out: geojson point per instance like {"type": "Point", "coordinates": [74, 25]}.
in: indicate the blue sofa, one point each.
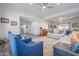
{"type": "Point", "coordinates": [63, 49]}
{"type": "Point", "coordinates": [25, 47]}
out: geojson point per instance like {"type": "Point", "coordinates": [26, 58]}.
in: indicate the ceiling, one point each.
{"type": "Point", "coordinates": [62, 10]}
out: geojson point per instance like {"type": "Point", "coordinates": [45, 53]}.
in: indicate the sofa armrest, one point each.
{"type": "Point", "coordinates": [27, 40]}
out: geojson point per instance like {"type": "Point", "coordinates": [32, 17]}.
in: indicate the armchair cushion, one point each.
{"type": "Point", "coordinates": [31, 43]}
{"type": "Point", "coordinates": [27, 40]}
{"type": "Point", "coordinates": [19, 36]}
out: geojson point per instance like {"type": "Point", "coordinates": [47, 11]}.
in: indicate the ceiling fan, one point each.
{"type": "Point", "coordinates": [44, 6]}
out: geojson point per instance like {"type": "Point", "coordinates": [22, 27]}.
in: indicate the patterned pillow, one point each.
{"type": "Point", "coordinates": [74, 43]}
{"type": "Point", "coordinates": [60, 31]}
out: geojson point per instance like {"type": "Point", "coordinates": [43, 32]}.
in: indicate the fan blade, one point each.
{"type": "Point", "coordinates": [50, 7]}
{"type": "Point", "coordinates": [44, 4]}
{"type": "Point", "coordinates": [40, 4]}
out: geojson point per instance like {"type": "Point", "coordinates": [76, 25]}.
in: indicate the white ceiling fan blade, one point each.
{"type": "Point", "coordinates": [50, 7]}
{"type": "Point", "coordinates": [40, 4]}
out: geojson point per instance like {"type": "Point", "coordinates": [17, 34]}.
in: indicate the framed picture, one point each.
{"type": "Point", "coordinates": [13, 23]}
{"type": "Point", "coordinates": [75, 25]}
{"type": "Point", "coordinates": [4, 20]}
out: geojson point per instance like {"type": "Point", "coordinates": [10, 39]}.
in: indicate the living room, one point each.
{"type": "Point", "coordinates": [46, 25]}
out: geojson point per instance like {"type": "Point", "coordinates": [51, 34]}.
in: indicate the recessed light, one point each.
{"type": "Point", "coordinates": [44, 7]}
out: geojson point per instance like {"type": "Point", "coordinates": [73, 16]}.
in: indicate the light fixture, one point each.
{"type": "Point", "coordinates": [44, 7]}
{"type": "Point", "coordinates": [60, 19]}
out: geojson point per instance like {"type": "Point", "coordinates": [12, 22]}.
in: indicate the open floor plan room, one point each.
{"type": "Point", "coordinates": [39, 29]}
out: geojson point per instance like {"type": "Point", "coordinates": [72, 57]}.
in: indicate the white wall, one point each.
{"type": "Point", "coordinates": [7, 26]}
{"type": "Point", "coordinates": [2, 25]}
{"type": "Point", "coordinates": [2, 30]}
{"type": "Point", "coordinates": [35, 26]}
{"type": "Point", "coordinates": [12, 15]}
{"type": "Point", "coordinates": [43, 24]}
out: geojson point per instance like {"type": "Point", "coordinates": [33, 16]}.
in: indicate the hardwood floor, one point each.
{"type": "Point", "coordinates": [49, 42]}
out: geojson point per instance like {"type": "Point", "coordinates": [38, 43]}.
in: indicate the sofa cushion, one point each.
{"type": "Point", "coordinates": [27, 40]}
{"type": "Point", "coordinates": [19, 36]}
